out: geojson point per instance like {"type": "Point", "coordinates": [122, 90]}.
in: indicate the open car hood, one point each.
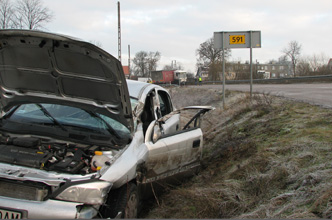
{"type": "Point", "coordinates": [39, 67]}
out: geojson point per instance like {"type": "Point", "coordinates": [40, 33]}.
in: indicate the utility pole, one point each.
{"type": "Point", "coordinates": [119, 33]}
{"type": "Point", "coordinates": [129, 61]}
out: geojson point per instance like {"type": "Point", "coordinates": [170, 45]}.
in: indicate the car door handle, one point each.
{"type": "Point", "coordinates": [196, 143]}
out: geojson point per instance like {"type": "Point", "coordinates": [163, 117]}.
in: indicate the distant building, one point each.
{"type": "Point", "coordinates": [241, 71]}
{"type": "Point", "coordinates": [238, 70]}
{"type": "Point", "coordinates": [275, 70]}
{"type": "Point", "coordinates": [126, 71]}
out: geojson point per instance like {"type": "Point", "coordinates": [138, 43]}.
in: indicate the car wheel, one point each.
{"type": "Point", "coordinates": [131, 207]}
{"type": "Point", "coordinates": [123, 200]}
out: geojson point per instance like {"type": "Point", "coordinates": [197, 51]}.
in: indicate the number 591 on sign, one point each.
{"type": "Point", "coordinates": [237, 39]}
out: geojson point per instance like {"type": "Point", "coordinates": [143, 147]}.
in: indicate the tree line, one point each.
{"type": "Point", "coordinates": [146, 62]}
{"type": "Point", "coordinates": [24, 14]}
{"type": "Point", "coordinates": [210, 59]}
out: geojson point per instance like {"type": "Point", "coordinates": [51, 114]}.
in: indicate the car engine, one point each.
{"type": "Point", "coordinates": [51, 156]}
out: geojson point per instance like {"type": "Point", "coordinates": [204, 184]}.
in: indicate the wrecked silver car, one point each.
{"type": "Point", "coordinates": [76, 139]}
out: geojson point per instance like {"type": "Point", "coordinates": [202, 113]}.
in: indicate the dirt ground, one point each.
{"type": "Point", "coordinates": [265, 157]}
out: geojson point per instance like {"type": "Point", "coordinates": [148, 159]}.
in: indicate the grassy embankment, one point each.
{"type": "Point", "coordinates": [269, 158]}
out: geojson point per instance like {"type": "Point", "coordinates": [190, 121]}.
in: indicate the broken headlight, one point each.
{"type": "Point", "coordinates": [93, 193]}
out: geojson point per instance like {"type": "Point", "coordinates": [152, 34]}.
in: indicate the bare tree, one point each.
{"type": "Point", "coordinates": [208, 56]}
{"type": "Point", "coordinates": [317, 61]}
{"type": "Point", "coordinates": [293, 51]}
{"type": "Point", "coordinates": [31, 14]}
{"type": "Point", "coordinates": [140, 64]}
{"type": "Point", "coordinates": [145, 62]}
{"type": "Point", "coordinates": [152, 61]}
{"type": "Point", "coordinates": [214, 69]}
{"type": "Point", "coordinates": [6, 14]}
{"type": "Point", "coordinates": [303, 67]}
{"type": "Point", "coordinates": [283, 60]}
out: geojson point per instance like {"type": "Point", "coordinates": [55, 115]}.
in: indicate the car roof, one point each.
{"type": "Point", "coordinates": [138, 89]}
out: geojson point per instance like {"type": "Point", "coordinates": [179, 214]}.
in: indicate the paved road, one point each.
{"type": "Point", "coordinates": [316, 93]}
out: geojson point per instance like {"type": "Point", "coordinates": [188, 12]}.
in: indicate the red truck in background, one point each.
{"type": "Point", "coordinates": [162, 76]}
{"type": "Point", "coordinates": [168, 76]}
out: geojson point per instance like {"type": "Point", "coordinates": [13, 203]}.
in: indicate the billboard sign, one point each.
{"type": "Point", "coordinates": [237, 39]}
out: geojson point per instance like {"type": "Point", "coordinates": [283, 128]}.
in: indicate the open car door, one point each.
{"type": "Point", "coordinates": [177, 152]}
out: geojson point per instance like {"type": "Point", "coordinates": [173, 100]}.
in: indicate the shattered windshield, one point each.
{"type": "Point", "coordinates": [134, 102]}
{"type": "Point", "coordinates": [66, 117]}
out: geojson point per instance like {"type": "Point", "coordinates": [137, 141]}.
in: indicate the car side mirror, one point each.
{"type": "Point", "coordinates": [156, 132]}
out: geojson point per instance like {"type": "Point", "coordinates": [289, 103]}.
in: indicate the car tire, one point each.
{"type": "Point", "coordinates": [123, 200]}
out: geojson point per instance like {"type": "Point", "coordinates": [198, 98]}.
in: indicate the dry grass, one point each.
{"type": "Point", "coordinates": [264, 158]}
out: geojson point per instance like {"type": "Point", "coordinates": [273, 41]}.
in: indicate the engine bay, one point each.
{"type": "Point", "coordinates": [53, 156]}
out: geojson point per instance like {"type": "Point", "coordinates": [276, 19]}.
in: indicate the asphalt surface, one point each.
{"type": "Point", "coordinates": [315, 93]}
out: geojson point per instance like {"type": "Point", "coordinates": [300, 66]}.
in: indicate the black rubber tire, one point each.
{"type": "Point", "coordinates": [124, 200]}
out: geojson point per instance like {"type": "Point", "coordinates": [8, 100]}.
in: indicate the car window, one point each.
{"type": "Point", "coordinates": [133, 102]}
{"type": "Point", "coordinates": [165, 103]}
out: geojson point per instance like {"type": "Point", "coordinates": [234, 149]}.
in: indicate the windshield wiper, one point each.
{"type": "Point", "coordinates": [109, 128]}
{"type": "Point", "coordinates": [47, 114]}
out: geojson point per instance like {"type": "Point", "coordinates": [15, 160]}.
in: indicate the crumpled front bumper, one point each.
{"type": "Point", "coordinates": [50, 209]}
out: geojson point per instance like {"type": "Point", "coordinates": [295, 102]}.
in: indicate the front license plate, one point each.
{"type": "Point", "coordinates": [11, 214]}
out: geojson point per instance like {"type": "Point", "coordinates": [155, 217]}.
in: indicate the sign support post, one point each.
{"type": "Point", "coordinates": [251, 77]}
{"type": "Point", "coordinates": [223, 74]}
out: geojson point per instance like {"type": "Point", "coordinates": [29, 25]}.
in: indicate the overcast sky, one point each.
{"type": "Point", "coordinates": [176, 28]}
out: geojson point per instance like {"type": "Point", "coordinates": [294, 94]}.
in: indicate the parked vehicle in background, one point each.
{"type": "Point", "coordinates": [79, 141]}
{"type": "Point", "coordinates": [169, 76]}
{"type": "Point", "coordinates": [162, 76]}
{"type": "Point", "coordinates": [180, 77]}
